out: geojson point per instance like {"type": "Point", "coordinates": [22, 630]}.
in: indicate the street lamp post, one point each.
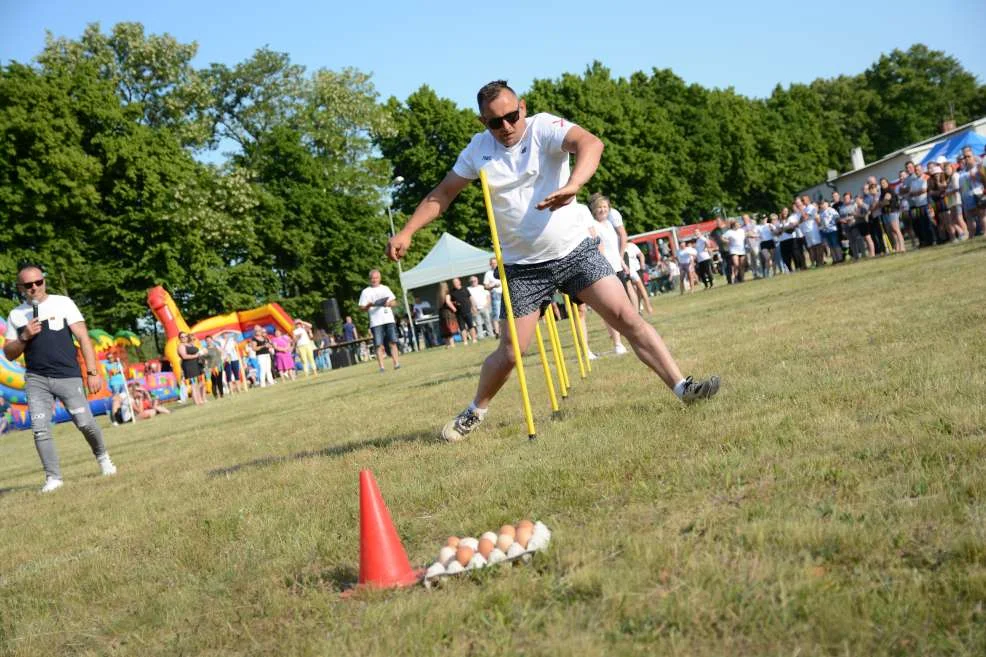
{"type": "Point", "coordinates": [400, 270]}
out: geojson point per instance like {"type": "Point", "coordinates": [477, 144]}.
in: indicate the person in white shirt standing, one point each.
{"type": "Point", "coordinates": [377, 299]}
{"type": "Point", "coordinates": [635, 264]}
{"type": "Point", "coordinates": [304, 345]}
{"type": "Point", "coordinates": [703, 260]}
{"type": "Point", "coordinates": [736, 239]}
{"type": "Point", "coordinates": [491, 281]}
{"type": "Point", "coordinates": [481, 302]}
{"type": "Point", "coordinates": [609, 246]}
{"type": "Point", "coordinates": [687, 257]}
{"type": "Point", "coordinates": [42, 329]}
{"type": "Point", "coordinates": [532, 189]}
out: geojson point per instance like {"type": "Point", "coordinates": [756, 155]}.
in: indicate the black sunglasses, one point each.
{"type": "Point", "coordinates": [509, 117]}
{"type": "Point", "coordinates": [27, 285]}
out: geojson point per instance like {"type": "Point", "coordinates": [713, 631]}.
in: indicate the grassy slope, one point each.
{"type": "Point", "coordinates": [832, 500]}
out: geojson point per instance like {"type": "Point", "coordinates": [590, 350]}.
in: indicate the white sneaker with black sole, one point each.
{"type": "Point", "coordinates": [459, 428]}
{"type": "Point", "coordinates": [697, 390]}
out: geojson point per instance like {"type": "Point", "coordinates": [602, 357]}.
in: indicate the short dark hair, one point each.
{"type": "Point", "coordinates": [30, 265]}
{"type": "Point", "coordinates": [490, 92]}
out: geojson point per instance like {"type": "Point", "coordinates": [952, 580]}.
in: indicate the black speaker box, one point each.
{"type": "Point", "coordinates": [330, 310]}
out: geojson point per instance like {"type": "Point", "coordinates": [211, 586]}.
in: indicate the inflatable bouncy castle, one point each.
{"type": "Point", "coordinates": [162, 385]}
{"type": "Point", "coordinates": [240, 323]}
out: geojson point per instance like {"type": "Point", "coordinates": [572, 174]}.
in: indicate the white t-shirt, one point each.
{"type": "Point", "coordinates": [229, 348]}
{"type": "Point", "coordinates": [300, 334]}
{"type": "Point", "coordinates": [49, 353]}
{"type": "Point", "coordinates": [673, 269]}
{"type": "Point", "coordinates": [702, 249]}
{"type": "Point", "coordinates": [611, 244]}
{"type": "Point", "coordinates": [686, 255]}
{"type": "Point", "coordinates": [379, 315]}
{"type": "Point", "coordinates": [492, 283]}
{"type": "Point", "coordinates": [632, 252]}
{"type": "Point", "coordinates": [480, 297]}
{"type": "Point", "coordinates": [615, 217]}
{"type": "Point", "coordinates": [766, 233]}
{"type": "Point", "coordinates": [736, 238]}
{"type": "Point", "coordinates": [520, 177]}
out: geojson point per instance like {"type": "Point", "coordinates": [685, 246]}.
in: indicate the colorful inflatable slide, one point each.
{"type": "Point", "coordinates": [240, 323]}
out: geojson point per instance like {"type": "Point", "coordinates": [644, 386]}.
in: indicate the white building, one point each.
{"type": "Point", "coordinates": [889, 166]}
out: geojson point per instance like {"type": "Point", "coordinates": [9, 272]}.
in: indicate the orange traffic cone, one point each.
{"type": "Point", "coordinates": [382, 560]}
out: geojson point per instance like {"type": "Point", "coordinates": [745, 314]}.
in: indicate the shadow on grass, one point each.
{"type": "Point", "coordinates": [448, 379]}
{"type": "Point", "coordinates": [14, 489]}
{"type": "Point", "coordinates": [334, 450]}
{"type": "Point", "coordinates": [340, 578]}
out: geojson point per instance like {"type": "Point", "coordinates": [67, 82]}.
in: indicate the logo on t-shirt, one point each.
{"type": "Point", "coordinates": [523, 150]}
{"type": "Point", "coordinates": [487, 158]}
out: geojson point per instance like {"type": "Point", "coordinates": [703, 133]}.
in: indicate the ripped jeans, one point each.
{"type": "Point", "coordinates": [41, 394]}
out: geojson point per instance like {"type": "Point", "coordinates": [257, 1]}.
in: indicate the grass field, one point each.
{"type": "Point", "coordinates": [830, 501]}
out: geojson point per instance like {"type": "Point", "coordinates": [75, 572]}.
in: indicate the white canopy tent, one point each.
{"type": "Point", "coordinates": [449, 258]}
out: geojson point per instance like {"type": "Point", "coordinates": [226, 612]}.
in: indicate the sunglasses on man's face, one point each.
{"type": "Point", "coordinates": [497, 122]}
{"type": "Point", "coordinates": [27, 285]}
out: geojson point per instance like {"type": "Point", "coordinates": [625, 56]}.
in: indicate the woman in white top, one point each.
{"type": "Point", "coordinates": [703, 262]}
{"type": "Point", "coordinates": [687, 256]}
{"type": "Point", "coordinates": [957, 229]}
{"type": "Point", "coordinates": [813, 239]}
{"type": "Point", "coordinates": [609, 246]}
{"type": "Point", "coordinates": [736, 239]}
{"type": "Point", "coordinates": [767, 245]}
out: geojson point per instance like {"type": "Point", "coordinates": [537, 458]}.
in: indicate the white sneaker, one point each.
{"type": "Point", "coordinates": [460, 426]}
{"type": "Point", "coordinates": [52, 484]}
{"type": "Point", "coordinates": [593, 356]}
{"type": "Point", "coordinates": [620, 350]}
{"type": "Point", "coordinates": [105, 465]}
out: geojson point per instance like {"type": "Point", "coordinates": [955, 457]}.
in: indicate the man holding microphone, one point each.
{"type": "Point", "coordinates": [42, 329]}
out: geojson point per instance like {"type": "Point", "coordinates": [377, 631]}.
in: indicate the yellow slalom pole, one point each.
{"type": "Point", "coordinates": [583, 339]}
{"type": "Point", "coordinates": [547, 371]}
{"type": "Point", "coordinates": [549, 319]}
{"type": "Point", "coordinates": [525, 398]}
{"type": "Point", "coordinates": [573, 321]}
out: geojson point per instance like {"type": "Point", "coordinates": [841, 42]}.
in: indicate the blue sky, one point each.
{"type": "Point", "coordinates": [456, 47]}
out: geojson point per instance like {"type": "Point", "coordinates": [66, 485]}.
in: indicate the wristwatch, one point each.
{"type": "Point", "coordinates": [92, 372]}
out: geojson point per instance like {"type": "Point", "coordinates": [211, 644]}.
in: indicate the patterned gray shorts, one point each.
{"type": "Point", "coordinates": [535, 284]}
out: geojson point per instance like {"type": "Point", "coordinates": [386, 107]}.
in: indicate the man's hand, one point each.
{"type": "Point", "coordinates": [95, 384]}
{"type": "Point", "coordinates": [398, 245]}
{"type": "Point", "coordinates": [559, 198]}
{"type": "Point", "coordinates": [31, 329]}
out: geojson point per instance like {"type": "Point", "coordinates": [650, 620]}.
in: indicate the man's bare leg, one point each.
{"type": "Point", "coordinates": [498, 365]}
{"type": "Point", "coordinates": [606, 298]}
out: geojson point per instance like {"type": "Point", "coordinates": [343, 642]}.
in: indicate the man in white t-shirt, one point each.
{"type": "Point", "coordinates": [491, 281]}
{"type": "Point", "coordinates": [532, 189]}
{"type": "Point", "coordinates": [635, 265]}
{"type": "Point", "coordinates": [42, 329]}
{"type": "Point", "coordinates": [377, 299]}
{"type": "Point", "coordinates": [481, 303]}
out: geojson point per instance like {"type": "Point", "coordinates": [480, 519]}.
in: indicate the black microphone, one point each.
{"type": "Point", "coordinates": [34, 306]}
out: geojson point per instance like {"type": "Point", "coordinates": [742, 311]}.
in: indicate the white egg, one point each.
{"type": "Point", "coordinates": [540, 529]}
{"type": "Point", "coordinates": [469, 542]}
{"type": "Point", "coordinates": [490, 535]}
{"type": "Point", "coordinates": [536, 543]}
{"type": "Point", "coordinates": [477, 561]}
{"type": "Point", "coordinates": [454, 568]}
{"type": "Point", "coordinates": [446, 554]}
{"type": "Point", "coordinates": [496, 556]}
{"type": "Point", "coordinates": [515, 550]}
{"type": "Point", "coordinates": [434, 570]}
